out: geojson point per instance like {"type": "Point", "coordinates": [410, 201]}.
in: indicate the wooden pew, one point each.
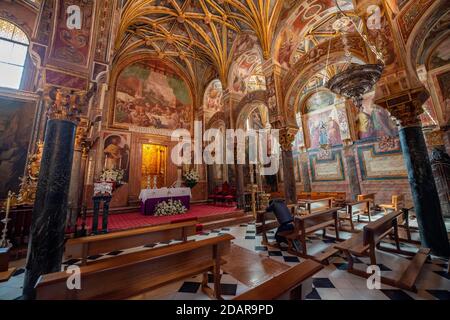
{"type": "Point", "coordinates": [367, 242]}
{"type": "Point", "coordinates": [265, 221]}
{"type": "Point", "coordinates": [93, 245]}
{"type": "Point", "coordinates": [321, 195]}
{"type": "Point", "coordinates": [293, 284]}
{"type": "Point", "coordinates": [309, 224]}
{"type": "Point", "coordinates": [129, 275]}
{"type": "Point", "coordinates": [355, 209]}
{"type": "Point", "coordinates": [6, 272]}
{"type": "Point", "coordinates": [310, 206]}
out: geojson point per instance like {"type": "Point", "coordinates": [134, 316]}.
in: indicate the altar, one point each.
{"type": "Point", "coordinates": [151, 197]}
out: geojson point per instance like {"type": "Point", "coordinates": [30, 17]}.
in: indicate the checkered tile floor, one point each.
{"type": "Point", "coordinates": [332, 283]}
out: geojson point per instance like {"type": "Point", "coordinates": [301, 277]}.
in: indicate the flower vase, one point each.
{"type": "Point", "coordinates": [191, 184]}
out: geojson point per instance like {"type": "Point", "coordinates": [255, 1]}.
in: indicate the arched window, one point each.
{"type": "Point", "coordinates": [13, 51]}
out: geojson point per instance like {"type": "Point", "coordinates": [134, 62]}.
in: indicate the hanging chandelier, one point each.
{"type": "Point", "coordinates": [357, 79]}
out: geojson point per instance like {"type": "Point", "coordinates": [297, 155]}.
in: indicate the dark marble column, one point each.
{"type": "Point", "coordinates": [211, 182]}
{"type": "Point", "coordinates": [352, 171]}
{"type": "Point", "coordinates": [306, 177]}
{"type": "Point", "coordinates": [46, 246]}
{"type": "Point", "coordinates": [290, 191]}
{"type": "Point", "coordinates": [240, 187]}
{"type": "Point", "coordinates": [406, 108]}
{"type": "Point", "coordinates": [286, 138]}
{"type": "Point", "coordinates": [440, 164]}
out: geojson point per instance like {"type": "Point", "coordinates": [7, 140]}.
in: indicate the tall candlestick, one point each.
{"type": "Point", "coordinates": [8, 204]}
{"type": "Point", "coordinates": [5, 243]}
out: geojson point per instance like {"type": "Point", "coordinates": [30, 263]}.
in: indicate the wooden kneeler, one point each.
{"type": "Point", "coordinates": [366, 243]}
{"type": "Point", "coordinates": [309, 224]}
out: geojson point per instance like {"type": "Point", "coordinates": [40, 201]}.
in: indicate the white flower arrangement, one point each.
{"type": "Point", "coordinates": [170, 208]}
{"type": "Point", "coordinates": [103, 188]}
{"type": "Point", "coordinates": [112, 175]}
{"type": "Point", "coordinates": [191, 178]}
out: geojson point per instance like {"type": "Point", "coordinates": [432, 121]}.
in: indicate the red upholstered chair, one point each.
{"type": "Point", "coordinates": [230, 199]}
{"type": "Point", "coordinates": [224, 192]}
{"type": "Point", "coordinates": [213, 196]}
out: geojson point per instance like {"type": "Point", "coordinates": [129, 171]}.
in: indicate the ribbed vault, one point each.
{"type": "Point", "coordinates": [197, 30]}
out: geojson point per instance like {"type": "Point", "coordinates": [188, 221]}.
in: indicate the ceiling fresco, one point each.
{"type": "Point", "coordinates": [217, 32]}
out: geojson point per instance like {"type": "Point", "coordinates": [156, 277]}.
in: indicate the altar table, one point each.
{"type": "Point", "coordinates": [151, 197]}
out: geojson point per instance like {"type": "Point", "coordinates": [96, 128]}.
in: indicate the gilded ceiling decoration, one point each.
{"type": "Point", "coordinates": [197, 30]}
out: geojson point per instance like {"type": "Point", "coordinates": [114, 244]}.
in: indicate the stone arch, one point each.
{"type": "Point", "coordinates": [315, 61]}
{"type": "Point", "coordinates": [252, 97]}
{"type": "Point", "coordinates": [217, 118]}
{"type": "Point", "coordinates": [416, 39]}
{"type": "Point", "coordinates": [248, 109]}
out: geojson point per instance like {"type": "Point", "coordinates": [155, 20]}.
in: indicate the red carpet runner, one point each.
{"type": "Point", "coordinates": [136, 219]}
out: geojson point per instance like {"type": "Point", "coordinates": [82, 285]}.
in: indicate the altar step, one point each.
{"type": "Point", "coordinates": [221, 216]}
{"type": "Point", "coordinates": [228, 222]}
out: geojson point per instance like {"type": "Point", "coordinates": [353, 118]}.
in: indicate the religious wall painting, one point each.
{"type": "Point", "coordinates": [213, 99]}
{"type": "Point", "coordinates": [116, 152]}
{"type": "Point", "coordinates": [440, 56]}
{"type": "Point", "coordinates": [304, 15]}
{"type": "Point", "coordinates": [247, 66]}
{"type": "Point", "coordinates": [380, 33]}
{"type": "Point", "coordinates": [72, 38]}
{"type": "Point", "coordinates": [299, 141]}
{"type": "Point", "coordinates": [323, 127]}
{"type": "Point", "coordinates": [16, 123]}
{"type": "Point", "coordinates": [373, 121]}
{"type": "Point", "coordinates": [151, 95]}
{"type": "Point", "coordinates": [244, 43]}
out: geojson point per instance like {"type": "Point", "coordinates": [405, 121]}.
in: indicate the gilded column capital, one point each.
{"type": "Point", "coordinates": [287, 138]}
{"type": "Point", "coordinates": [406, 107]}
{"type": "Point", "coordinates": [66, 104]}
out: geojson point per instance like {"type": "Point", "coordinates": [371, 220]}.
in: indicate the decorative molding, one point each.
{"type": "Point", "coordinates": [377, 165]}
{"type": "Point", "coordinates": [331, 170]}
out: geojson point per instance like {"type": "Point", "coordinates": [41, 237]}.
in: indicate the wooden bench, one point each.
{"type": "Point", "coordinates": [320, 195]}
{"type": "Point", "coordinates": [355, 209]}
{"type": "Point", "coordinates": [265, 221]}
{"type": "Point", "coordinates": [293, 284]}
{"type": "Point", "coordinates": [310, 206]}
{"type": "Point", "coordinates": [93, 245]}
{"type": "Point", "coordinates": [6, 272]}
{"type": "Point", "coordinates": [129, 275]}
{"type": "Point", "coordinates": [309, 224]}
{"type": "Point", "coordinates": [367, 242]}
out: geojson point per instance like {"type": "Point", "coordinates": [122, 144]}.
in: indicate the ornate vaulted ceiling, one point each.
{"type": "Point", "coordinates": [198, 30]}
{"type": "Point", "coordinates": [205, 37]}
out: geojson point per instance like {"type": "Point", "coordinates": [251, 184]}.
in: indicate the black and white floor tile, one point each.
{"type": "Point", "coordinates": [332, 283]}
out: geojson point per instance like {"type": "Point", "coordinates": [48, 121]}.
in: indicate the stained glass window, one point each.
{"type": "Point", "coordinates": [13, 51]}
